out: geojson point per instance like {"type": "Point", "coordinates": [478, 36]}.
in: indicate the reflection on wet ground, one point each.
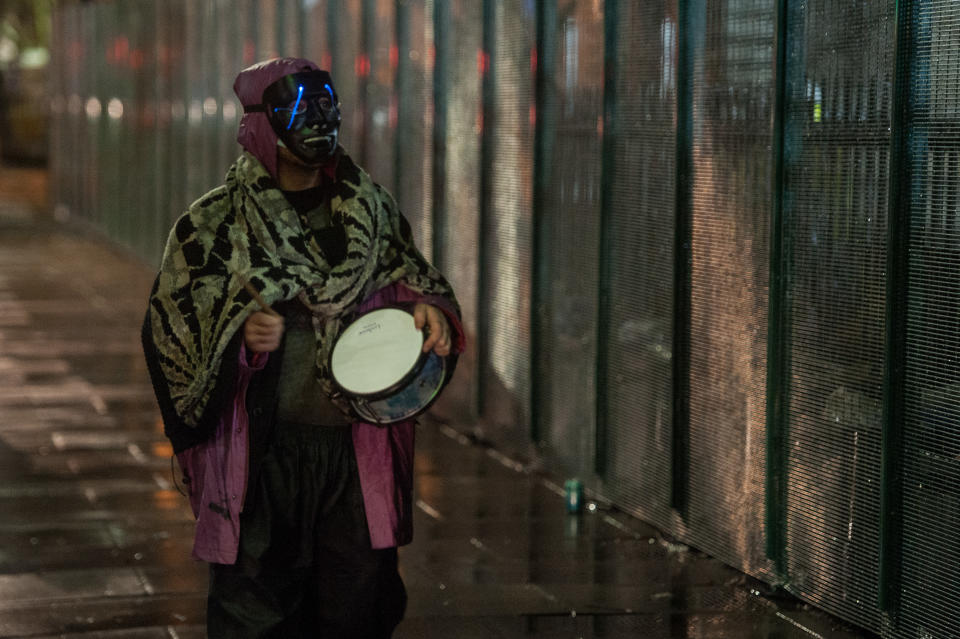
{"type": "Point", "coordinates": [95, 540]}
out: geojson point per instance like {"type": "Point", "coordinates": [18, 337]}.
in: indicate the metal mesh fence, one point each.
{"type": "Point", "coordinates": [456, 218]}
{"type": "Point", "coordinates": [414, 151]}
{"type": "Point", "coordinates": [638, 372]}
{"type": "Point", "coordinates": [837, 123]}
{"type": "Point", "coordinates": [381, 117]}
{"type": "Point", "coordinates": [348, 66]}
{"type": "Point", "coordinates": [731, 184]}
{"type": "Point", "coordinates": [931, 561]}
{"type": "Point", "coordinates": [572, 215]}
{"type": "Point", "coordinates": [175, 132]}
{"type": "Point", "coordinates": [316, 40]}
{"type": "Point", "coordinates": [507, 244]}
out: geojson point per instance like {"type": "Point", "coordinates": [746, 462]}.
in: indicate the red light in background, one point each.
{"type": "Point", "coordinates": [147, 118]}
{"type": "Point", "coordinates": [136, 59]}
{"type": "Point", "coordinates": [249, 51]}
{"type": "Point", "coordinates": [483, 62]}
{"type": "Point", "coordinates": [533, 60]}
{"type": "Point", "coordinates": [361, 65]}
{"type": "Point", "coordinates": [394, 56]}
{"type": "Point", "coordinates": [533, 115]}
{"type": "Point", "coordinates": [431, 57]}
{"type": "Point", "coordinates": [326, 60]}
{"type": "Point", "coordinates": [120, 50]}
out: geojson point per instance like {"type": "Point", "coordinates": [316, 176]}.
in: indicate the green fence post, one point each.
{"type": "Point", "coordinates": [402, 96]}
{"type": "Point", "coordinates": [334, 40]}
{"type": "Point", "coordinates": [542, 151]}
{"type": "Point", "coordinates": [441, 29]}
{"type": "Point", "coordinates": [487, 157]}
{"type": "Point", "coordinates": [607, 168]}
{"type": "Point", "coordinates": [683, 210]}
{"type": "Point", "coordinates": [302, 29]}
{"type": "Point", "coordinates": [898, 244]}
{"type": "Point", "coordinates": [777, 321]}
{"type": "Point", "coordinates": [279, 27]}
{"type": "Point", "coordinates": [368, 36]}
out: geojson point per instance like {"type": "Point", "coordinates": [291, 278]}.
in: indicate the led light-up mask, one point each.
{"type": "Point", "coordinates": [304, 112]}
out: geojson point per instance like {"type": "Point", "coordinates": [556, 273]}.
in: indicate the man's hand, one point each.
{"type": "Point", "coordinates": [262, 332]}
{"type": "Point", "coordinates": [438, 337]}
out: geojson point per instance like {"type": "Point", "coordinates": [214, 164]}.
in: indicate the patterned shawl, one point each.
{"type": "Point", "coordinates": [246, 230]}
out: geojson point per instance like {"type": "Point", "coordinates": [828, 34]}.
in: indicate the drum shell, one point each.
{"type": "Point", "coordinates": [387, 409]}
{"type": "Point", "coordinates": [381, 406]}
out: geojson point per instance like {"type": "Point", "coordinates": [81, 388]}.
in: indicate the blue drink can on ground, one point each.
{"type": "Point", "coordinates": [573, 495]}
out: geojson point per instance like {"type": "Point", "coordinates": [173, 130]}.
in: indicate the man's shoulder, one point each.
{"type": "Point", "coordinates": [206, 213]}
{"type": "Point", "coordinates": [208, 209]}
{"type": "Point", "coordinates": [214, 198]}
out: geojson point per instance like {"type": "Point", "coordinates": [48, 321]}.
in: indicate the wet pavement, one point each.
{"type": "Point", "coordinates": [95, 539]}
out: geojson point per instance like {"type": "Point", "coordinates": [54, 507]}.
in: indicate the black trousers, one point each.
{"type": "Point", "coordinates": [305, 567]}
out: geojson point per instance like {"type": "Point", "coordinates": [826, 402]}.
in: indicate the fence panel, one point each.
{"type": "Point", "coordinates": [638, 374]}
{"type": "Point", "coordinates": [571, 216]}
{"type": "Point", "coordinates": [931, 543]}
{"type": "Point", "coordinates": [343, 36]}
{"type": "Point", "coordinates": [381, 117]}
{"type": "Point", "coordinates": [731, 200]}
{"type": "Point", "coordinates": [508, 240]}
{"type": "Point", "coordinates": [414, 137]}
{"type": "Point", "coordinates": [837, 153]}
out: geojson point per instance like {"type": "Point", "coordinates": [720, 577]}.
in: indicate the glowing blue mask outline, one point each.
{"type": "Point", "coordinates": [293, 113]}
{"type": "Point", "coordinates": [296, 105]}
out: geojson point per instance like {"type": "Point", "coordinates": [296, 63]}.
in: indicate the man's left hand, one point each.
{"type": "Point", "coordinates": [438, 336]}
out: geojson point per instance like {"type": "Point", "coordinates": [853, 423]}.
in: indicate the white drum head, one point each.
{"type": "Point", "coordinates": [376, 351]}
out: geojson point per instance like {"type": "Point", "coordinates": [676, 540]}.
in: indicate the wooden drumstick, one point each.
{"type": "Point", "coordinates": [256, 296]}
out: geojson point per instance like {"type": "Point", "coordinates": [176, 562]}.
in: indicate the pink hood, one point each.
{"type": "Point", "coordinates": [255, 134]}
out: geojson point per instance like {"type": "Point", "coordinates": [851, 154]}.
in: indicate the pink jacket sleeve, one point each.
{"type": "Point", "coordinates": [217, 472]}
{"type": "Point", "coordinates": [385, 454]}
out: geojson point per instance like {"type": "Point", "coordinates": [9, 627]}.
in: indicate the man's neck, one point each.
{"type": "Point", "coordinates": [296, 177]}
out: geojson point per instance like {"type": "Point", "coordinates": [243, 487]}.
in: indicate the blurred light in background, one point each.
{"type": "Point", "coordinates": [8, 50]}
{"type": "Point", "coordinates": [115, 108]}
{"type": "Point", "coordinates": [93, 107]}
{"type": "Point", "coordinates": [196, 112]}
{"type": "Point", "coordinates": [210, 106]}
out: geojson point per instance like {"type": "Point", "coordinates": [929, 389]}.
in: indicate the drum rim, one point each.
{"type": "Point", "coordinates": [444, 362]}
{"type": "Point", "coordinates": [393, 388]}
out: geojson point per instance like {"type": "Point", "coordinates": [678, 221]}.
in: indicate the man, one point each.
{"type": "Point", "coordinates": [300, 507]}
